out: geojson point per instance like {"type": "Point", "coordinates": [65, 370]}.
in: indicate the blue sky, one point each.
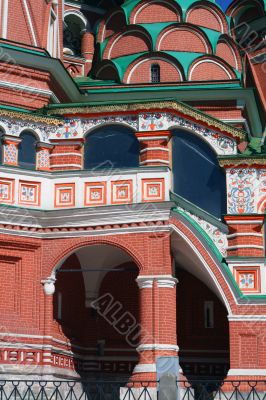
{"type": "Point", "coordinates": [224, 3]}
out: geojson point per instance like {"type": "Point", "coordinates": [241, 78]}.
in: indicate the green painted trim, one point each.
{"type": "Point", "coordinates": [199, 212]}
{"type": "Point", "coordinates": [214, 249]}
{"type": "Point", "coordinates": [23, 50]}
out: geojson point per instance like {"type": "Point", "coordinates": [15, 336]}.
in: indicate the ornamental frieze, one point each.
{"type": "Point", "coordinates": [78, 128]}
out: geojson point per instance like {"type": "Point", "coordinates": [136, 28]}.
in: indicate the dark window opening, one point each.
{"type": "Point", "coordinates": [112, 146]}
{"type": "Point", "coordinates": [198, 177]}
{"type": "Point", "coordinates": [155, 73]}
{"type": "Point", "coordinates": [27, 151]}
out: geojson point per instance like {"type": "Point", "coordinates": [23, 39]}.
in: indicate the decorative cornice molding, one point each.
{"type": "Point", "coordinates": [163, 281]}
{"type": "Point", "coordinates": [160, 347]}
{"type": "Point", "coordinates": [30, 117]}
{"type": "Point", "coordinates": [140, 368]}
{"type": "Point", "coordinates": [238, 162]}
{"type": "Point", "coordinates": [167, 106]}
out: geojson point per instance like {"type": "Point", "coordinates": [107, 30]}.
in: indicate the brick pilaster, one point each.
{"type": "Point", "coordinates": [67, 155]}
{"type": "Point", "coordinates": [154, 148]}
{"type": "Point", "coordinates": [245, 236]}
{"type": "Point", "coordinates": [157, 323]}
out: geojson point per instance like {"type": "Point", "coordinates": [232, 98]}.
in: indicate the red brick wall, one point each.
{"type": "Point", "coordinates": [142, 73]}
{"type": "Point", "coordinates": [127, 44]}
{"type": "Point", "coordinates": [226, 53]}
{"type": "Point", "coordinates": [204, 17]}
{"type": "Point", "coordinates": [182, 40]}
{"type": "Point", "coordinates": [155, 12]}
{"type": "Point", "coordinates": [208, 71]}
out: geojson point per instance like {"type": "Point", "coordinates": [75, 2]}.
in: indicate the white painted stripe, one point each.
{"type": "Point", "coordinates": [145, 138]}
{"type": "Point", "coordinates": [247, 372]}
{"type": "Point", "coordinates": [244, 246]}
{"type": "Point", "coordinates": [161, 347]}
{"type": "Point", "coordinates": [30, 22]}
{"type": "Point", "coordinates": [250, 318]}
{"type": "Point", "coordinates": [65, 165]}
{"type": "Point", "coordinates": [5, 19]}
{"type": "Point", "coordinates": [154, 148]}
{"type": "Point", "coordinates": [233, 235]}
{"type": "Point", "coordinates": [29, 89]}
{"type": "Point", "coordinates": [65, 154]}
{"type": "Point", "coordinates": [154, 161]}
{"type": "Point", "coordinates": [244, 222]}
{"type": "Point", "coordinates": [144, 368]}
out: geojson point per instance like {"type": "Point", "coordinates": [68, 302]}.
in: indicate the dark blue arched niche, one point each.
{"type": "Point", "coordinates": [197, 176]}
{"type": "Point", "coordinates": [111, 146]}
{"type": "Point", "coordinates": [2, 133]}
{"type": "Point", "coordinates": [27, 151]}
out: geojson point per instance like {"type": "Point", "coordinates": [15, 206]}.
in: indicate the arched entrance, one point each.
{"type": "Point", "coordinates": [202, 310]}
{"type": "Point", "coordinates": [95, 293]}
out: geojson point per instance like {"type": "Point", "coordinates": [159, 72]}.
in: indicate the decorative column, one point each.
{"type": "Point", "coordinates": [154, 148]}
{"type": "Point", "coordinates": [43, 156]}
{"type": "Point", "coordinates": [49, 290]}
{"type": "Point", "coordinates": [87, 50]}
{"type": "Point", "coordinates": [157, 323]}
{"type": "Point", "coordinates": [10, 156]}
{"type": "Point", "coordinates": [66, 155]}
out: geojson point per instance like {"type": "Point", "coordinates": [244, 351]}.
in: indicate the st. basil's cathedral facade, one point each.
{"type": "Point", "coordinates": [132, 188]}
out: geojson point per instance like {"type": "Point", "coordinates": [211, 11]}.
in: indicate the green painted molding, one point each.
{"type": "Point", "coordinates": [199, 212]}
{"type": "Point", "coordinates": [214, 249]}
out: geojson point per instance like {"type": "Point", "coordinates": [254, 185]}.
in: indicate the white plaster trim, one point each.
{"type": "Point", "coordinates": [247, 372]}
{"type": "Point", "coordinates": [161, 347]}
{"type": "Point", "coordinates": [244, 222]}
{"type": "Point", "coordinates": [65, 165]}
{"type": "Point", "coordinates": [144, 282]}
{"type": "Point", "coordinates": [233, 235]}
{"type": "Point", "coordinates": [155, 160]}
{"type": "Point", "coordinates": [78, 14]}
{"type": "Point", "coordinates": [154, 148]}
{"type": "Point", "coordinates": [29, 89]}
{"type": "Point", "coordinates": [163, 281]}
{"type": "Point", "coordinates": [5, 19]}
{"type": "Point", "coordinates": [168, 283]}
{"type": "Point", "coordinates": [209, 62]}
{"type": "Point", "coordinates": [85, 233]}
{"type": "Point", "coordinates": [65, 154]}
{"type": "Point", "coordinates": [241, 318]}
{"type": "Point", "coordinates": [144, 368]}
{"type": "Point", "coordinates": [30, 22]}
{"type": "Point", "coordinates": [244, 246]}
{"type": "Point", "coordinates": [148, 138]}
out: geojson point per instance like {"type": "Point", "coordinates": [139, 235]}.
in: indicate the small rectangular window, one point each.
{"type": "Point", "coordinates": [208, 314]}
{"type": "Point", "coordinates": [155, 73]}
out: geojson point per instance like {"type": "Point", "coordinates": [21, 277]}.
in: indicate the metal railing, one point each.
{"type": "Point", "coordinates": [96, 390]}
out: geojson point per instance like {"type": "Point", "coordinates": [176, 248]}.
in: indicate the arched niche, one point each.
{"type": "Point", "coordinates": [27, 150]}
{"type": "Point", "coordinates": [111, 146]}
{"type": "Point", "coordinates": [197, 176]}
{"type": "Point", "coordinates": [74, 25]}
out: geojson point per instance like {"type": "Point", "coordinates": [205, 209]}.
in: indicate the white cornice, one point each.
{"type": "Point", "coordinates": [29, 89]}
